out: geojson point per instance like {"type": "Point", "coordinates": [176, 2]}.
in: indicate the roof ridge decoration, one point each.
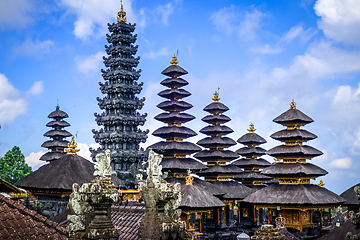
{"type": "Point", "coordinates": [72, 147]}
{"type": "Point", "coordinates": [174, 60]}
{"type": "Point", "coordinates": [121, 17]}
{"type": "Point", "coordinates": [251, 128]}
{"type": "Point", "coordinates": [293, 104]}
{"type": "Point", "coordinates": [189, 179]}
{"type": "Point", "coordinates": [216, 97]}
{"type": "Point", "coordinates": [321, 183]}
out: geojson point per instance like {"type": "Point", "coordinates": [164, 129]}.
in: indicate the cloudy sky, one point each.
{"type": "Point", "coordinates": [261, 54]}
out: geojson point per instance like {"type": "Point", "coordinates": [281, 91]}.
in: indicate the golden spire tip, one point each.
{"type": "Point", "coordinates": [321, 183]}
{"type": "Point", "coordinates": [121, 17]}
{"type": "Point", "coordinates": [189, 179]}
{"type": "Point", "coordinates": [292, 105]}
{"type": "Point", "coordinates": [251, 129]}
{"type": "Point", "coordinates": [174, 60]}
{"type": "Point", "coordinates": [72, 147]}
{"type": "Point", "coordinates": [216, 97]}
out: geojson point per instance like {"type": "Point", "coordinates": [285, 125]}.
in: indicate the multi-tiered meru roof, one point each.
{"type": "Point", "coordinates": [294, 194]}
{"type": "Point", "coordinates": [175, 149]}
{"type": "Point", "coordinates": [251, 163]}
{"type": "Point", "coordinates": [120, 117]}
{"type": "Point", "coordinates": [58, 134]}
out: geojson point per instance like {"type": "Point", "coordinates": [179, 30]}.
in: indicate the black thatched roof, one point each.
{"type": "Point", "coordinates": [57, 124]}
{"type": "Point", "coordinates": [52, 156]}
{"type": "Point", "coordinates": [174, 164]}
{"type": "Point", "coordinates": [216, 119]}
{"type": "Point", "coordinates": [293, 134]}
{"type": "Point", "coordinates": [294, 169]}
{"type": "Point", "coordinates": [55, 143]}
{"type": "Point", "coordinates": [58, 114]}
{"type": "Point", "coordinates": [212, 130]}
{"type": "Point", "coordinates": [174, 117]}
{"type": "Point", "coordinates": [54, 133]}
{"type": "Point", "coordinates": [294, 150]}
{"type": "Point", "coordinates": [217, 169]}
{"type": "Point", "coordinates": [299, 194]}
{"type": "Point", "coordinates": [174, 93]}
{"type": "Point", "coordinates": [211, 188]}
{"type": "Point", "coordinates": [8, 187]}
{"type": "Point", "coordinates": [207, 155]}
{"type": "Point", "coordinates": [350, 196]}
{"type": "Point", "coordinates": [174, 105]}
{"type": "Point", "coordinates": [175, 147]}
{"type": "Point", "coordinates": [251, 138]}
{"type": "Point", "coordinates": [196, 197]}
{"type": "Point", "coordinates": [339, 233]}
{"type": "Point", "coordinates": [174, 71]}
{"type": "Point", "coordinates": [216, 108]}
{"type": "Point", "coordinates": [251, 176]}
{"type": "Point", "coordinates": [174, 82]}
{"type": "Point", "coordinates": [250, 163]}
{"type": "Point", "coordinates": [293, 116]}
{"type": "Point", "coordinates": [59, 174]}
{"type": "Point", "coordinates": [252, 151]}
{"type": "Point", "coordinates": [209, 142]}
{"type": "Point", "coordinates": [234, 190]}
{"type": "Point", "coordinates": [174, 131]}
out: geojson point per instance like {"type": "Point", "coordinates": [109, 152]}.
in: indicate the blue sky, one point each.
{"type": "Point", "coordinates": [261, 54]}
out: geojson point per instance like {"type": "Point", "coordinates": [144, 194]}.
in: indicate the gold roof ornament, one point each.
{"type": "Point", "coordinates": [321, 183]}
{"type": "Point", "coordinates": [72, 147]}
{"type": "Point", "coordinates": [121, 17]}
{"type": "Point", "coordinates": [174, 60]}
{"type": "Point", "coordinates": [251, 128]}
{"type": "Point", "coordinates": [216, 97]}
{"type": "Point", "coordinates": [189, 179]}
{"type": "Point", "coordinates": [293, 104]}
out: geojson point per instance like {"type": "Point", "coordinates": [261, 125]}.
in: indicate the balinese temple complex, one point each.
{"type": "Point", "coordinates": [57, 144]}
{"type": "Point", "coordinates": [120, 119]}
{"type": "Point", "coordinates": [295, 198]}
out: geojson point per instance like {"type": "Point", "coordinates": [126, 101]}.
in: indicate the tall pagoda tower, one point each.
{"type": "Point", "coordinates": [175, 149]}
{"type": "Point", "coordinates": [120, 119]}
{"type": "Point", "coordinates": [58, 136]}
{"type": "Point", "coordinates": [251, 161]}
{"type": "Point", "coordinates": [216, 155]}
{"type": "Point", "coordinates": [294, 197]}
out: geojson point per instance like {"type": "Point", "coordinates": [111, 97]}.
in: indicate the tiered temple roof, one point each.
{"type": "Point", "coordinates": [175, 149]}
{"type": "Point", "coordinates": [251, 163]}
{"type": "Point", "coordinates": [294, 194]}
{"type": "Point", "coordinates": [57, 144]}
{"type": "Point", "coordinates": [120, 119]}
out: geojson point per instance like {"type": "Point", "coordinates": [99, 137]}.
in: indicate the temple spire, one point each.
{"type": "Point", "coordinates": [251, 128]}
{"type": "Point", "coordinates": [174, 60]}
{"type": "Point", "coordinates": [293, 104]}
{"type": "Point", "coordinates": [216, 97]}
{"type": "Point", "coordinates": [121, 17]}
{"type": "Point", "coordinates": [72, 147]}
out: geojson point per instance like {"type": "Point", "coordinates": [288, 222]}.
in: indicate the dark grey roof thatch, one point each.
{"type": "Point", "coordinates": [217, 154]}
{"type": "Point", "coordinates": [61, 133]}
{"type": "Point", "coordinates": [216, 108]}
{"type": "Point", "coordinates": [252, 151]}
{"type": "Point", "coordinates": [211, 130]}
{"type": "Point", "coordinates": [294, 150]}
{"type": "Point", "coordinates": [174, 105]}
{"type": "Point", "coordinates": [234, 190]}
{"type": "Point", "coordinates": [58, 114]}
{"type": "Point", "coordinates": [294, 169]}
{"type": "Point", "coordinates": [55, 143]}
{"type": "Point", "coordinates": [293, 134]}
{"type": "Point", "coordinates": [217, 169]}
{"type": "Point", "coordinates": [251, 175]}
{"type": "Point", "coordinates": [174, 131]}
{"type": "Point", "coordinates": [51, 156]}
{"type": "Point", "coordinates": [300, 194]}
{"type": "Point", "coordinates": [293, 116]}
{"type": "Point", "coordinates": [196, 197]}
{"type": "Point", "coordinates": [174, 82]}
{"type": "Point", "coordinates": [174, 93]}
{"type": "Point", "coordinates": [58, 124]}
{"type": "Point", "coordinates": [60, 174]}
{"type": "Point", "coordinates": [251, 138]}
{"type": "Point", "coordinates": [174, 117]}
{"type": "Point", "coordinates": [182, 164]}
{"type": "Point", "coordinates": [174, 71]}
{"type": "Point", "coordinates": [350, 196]}
{"type": "Point", "coordinates": [250, 163]}
{"type": "Point", "coordinates": [209, 142]}
{"type": "Point", "coordinates": [211, 188]}
{"type": "Point", "coordinates": [172, 147]}
{"type": "Point", "coordinates": [339, 233]}
{"type": "Point", "coordinates": [216, 119]}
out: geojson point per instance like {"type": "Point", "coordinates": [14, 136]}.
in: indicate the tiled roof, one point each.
{"type": "Point", "coordinates": [18, 222]}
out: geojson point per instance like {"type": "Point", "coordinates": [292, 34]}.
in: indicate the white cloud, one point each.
{"type": "Point", "coordinates": [33, 160]}
{"type": "Point", "coordinates": [93, 15]}
{"type": "Point", "coordinates": [266, 49]}
{"type": "Point", "coordinates": [165, 11]}
{"type": "Point", "coordinates": [15, 13]}
{"type": "Point", "coordinates": [89, 64]}
{"type": "Point", "coordinates": [340, 19]}
{"type": "Point", "coordinates": [32, 48]}
{"type": "Point", "coordinates": [36, 89]}
{"type": "Point", "coordinates": [84, 149]}
{"type": "Point", "coordinates": [299, 32]}
{"type": "Point", "coordinates": [341, 163]}
{"type": "Point", "coordinates": [161, 52]}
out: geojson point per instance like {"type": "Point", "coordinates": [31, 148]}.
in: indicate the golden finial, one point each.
{"type": "Point", "coordinates": [189, 179]}
{"type": "Point", "coordinates": [121, 17]}
{"type": "Point", "coordinates": [321, 183]}
{"type": "Point", "coordinates": [216, 96]}
{"type": "Point", "coordinates": [292, 105]}
{"type": "Point", "coordinates": [72, 147]}
{"type": "Point", "coordinates": [174, 60]}
{"type": "Point", "coordinates": [251, 129]}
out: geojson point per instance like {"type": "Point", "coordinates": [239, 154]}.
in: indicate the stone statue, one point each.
{"type": "Point", "coordinates": [103, 167]}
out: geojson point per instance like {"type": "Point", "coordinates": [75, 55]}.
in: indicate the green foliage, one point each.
{"type": "Point", "coordinates": [13, 166]}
